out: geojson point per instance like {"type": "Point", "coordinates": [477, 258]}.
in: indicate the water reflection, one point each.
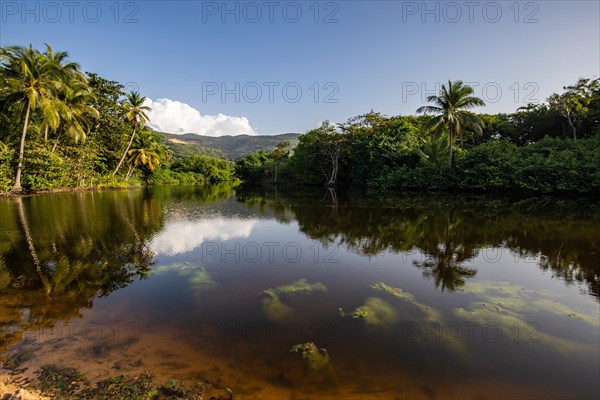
{"type": "Point", "coordinates": [444, 261]}
{"type": "Point", "coordinates": [61, 252]}
{"type": "Point", "coordinates": [406, 264]}
{"type": "Point", "coordinates": [449, 231]}
{"type": "Point", "coordinates": [184, 236]}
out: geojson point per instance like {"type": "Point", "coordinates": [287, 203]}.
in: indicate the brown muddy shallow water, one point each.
{"type": "Point", "coordinates": [437, 296]}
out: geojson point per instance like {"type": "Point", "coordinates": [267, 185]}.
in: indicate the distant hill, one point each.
{"type": "Point", "coordinates": [230, 147]}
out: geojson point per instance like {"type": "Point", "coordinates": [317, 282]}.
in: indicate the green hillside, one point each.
{"type": "Point", "coordinates": [230, 147]}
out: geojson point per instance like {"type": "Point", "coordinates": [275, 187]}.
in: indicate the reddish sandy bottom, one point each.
{"type": "Point", "coordinates": [248, 376]}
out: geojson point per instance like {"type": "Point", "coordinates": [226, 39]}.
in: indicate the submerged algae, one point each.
{"type": "Point", "coordinates": [379, 312]}
{"type": "Point", "coordinates": [198, 278]}
{"type": "Point", "coordinates": [431, 314]}
{"type": "Point", "coordinates": [314, 358]}
{"type": "Point", "coordinates": [299, 286]}
{"type": "Point", "coordinates": [272, 304]}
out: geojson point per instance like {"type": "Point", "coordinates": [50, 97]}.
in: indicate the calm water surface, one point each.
{"type": "Point", "coordinates": [437, 296]}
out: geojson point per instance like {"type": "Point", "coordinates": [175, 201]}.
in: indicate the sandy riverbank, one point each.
{"type": "Point", "coordinates": [11, 391]}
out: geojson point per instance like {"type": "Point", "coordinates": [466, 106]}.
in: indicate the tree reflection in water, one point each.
{"type": "Point", "coordinates": [61, 252]}
{"type": "Point", "coordinates": [448, 231]}
{"type": "Point", "coordinates": [443, 262]}
{"type": "Point", "coordinates": [58, 253]}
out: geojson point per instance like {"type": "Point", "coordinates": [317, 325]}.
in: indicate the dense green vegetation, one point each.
{"type": "Point", "coordinates": [550, 147]}
{"type": "Point", "coordinates": [62, 128]}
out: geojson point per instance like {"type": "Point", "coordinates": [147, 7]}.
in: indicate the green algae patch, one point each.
{"type": "Point", "coordinates": [178, 390]}
{"type": "Point", "coordinates": [64, 383]}
{"type": "Point", "coordinates": [510, 307]}
{"type": "Point", "coordinates": [314, 358]}
{"type": "Point", "coordinates": [430, 313]}
{"type": "Point", "coordinates": [299, 286]}
{"type": "Point", "coordinates": [375, 311]}
{"type": "Point", "coordinates": [181, 268]}
{"type": "Point", "coordinates": [121, 387]}
{"type": "Point", "coordinates": [58, 381]}
{"type": "Point", "coordinates": [274, 307]}
{"type": "Point", "coordinates": [509, 297]}
{"type": "Point", "coordinates": [15, 360]}
{"type": "Point", "coordinates": [198, 278]}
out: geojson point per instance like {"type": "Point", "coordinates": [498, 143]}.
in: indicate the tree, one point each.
{"type": "Point", "coordinates": [281, 152]}
{"type": "Point", "coordinates": [79, 114]}
{"type": "Point", "coordinates": [145, 152]}
{"type": "Point", "coordinates": [529, 124]}
{"type": "Point", "coordinates": [433, 148]}
{"type": "Point", "coordinates": [450, 110]}
{"type": "Point", "coordinates": [574, 102]}
{"type": "Point", "coordinates": [65, 72]}
{"type": "Point", "coordinates": [323, 147]}
{"type": "Point", "coordinates": [32, 81]}
{"type": "Point", "coordinates": [253, 166]}
{"type": "Point", "coordinates": [111, 130]}
{"type": "Point", "coordinates": [135, 111]}
{"type": "Point", "coordinates": [211, 168]}
{"type": "Point", "coordinates": [379, 143]}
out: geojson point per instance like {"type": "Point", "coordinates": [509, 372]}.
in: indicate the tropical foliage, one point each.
{"type": "Point", "coordinates": [533, 149]}
{"type": "Point", "coordinates": [60, 127]}
{"type": "Point", "coordinates": [451, 116]}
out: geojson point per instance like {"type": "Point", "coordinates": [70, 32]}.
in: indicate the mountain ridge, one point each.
{"type": "Point", "coordinates": [232, 147]}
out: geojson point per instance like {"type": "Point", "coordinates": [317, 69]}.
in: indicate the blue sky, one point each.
{"type": "Point", "coordinates": [221, 67]}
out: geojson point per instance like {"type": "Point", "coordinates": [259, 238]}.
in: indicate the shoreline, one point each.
{"type": "Point", "coordinates": [26, 192]}
{"type": "Point", "coordinates": [309, 187]}
{"type": "Point", "coordinates": [14, 391]}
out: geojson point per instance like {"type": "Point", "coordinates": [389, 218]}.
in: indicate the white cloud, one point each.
{"type": "Point", "coordinates": [183, 236]}
{"type": "Point", "coordinates": [173, 116]}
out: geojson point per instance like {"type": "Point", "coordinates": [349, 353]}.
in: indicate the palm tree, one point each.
{"type": "Point", "coordinates": [145, 151]}
{"type": "Point", "coordinates": [32, 81]}
{"type": "Point", "coordinates": [65, 72]}
{"type": "Point", "coordinates": [51, 112]}
{"type": "Point", "coordinates": [135, 111]}
{"type": "Point", "coordinates": [77, 113]}
{"type": "Point", "coordinates": [450, 110]}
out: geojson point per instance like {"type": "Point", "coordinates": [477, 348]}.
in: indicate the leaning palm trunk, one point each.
{"type": "Point", "coordinates": [125, 153]}
{"type": "Point", "coordinates": [129, 171]}
{"type": "Point", "coordinates": [56, 143]}
{"type": "Point", "coordinates": [17, 187]}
